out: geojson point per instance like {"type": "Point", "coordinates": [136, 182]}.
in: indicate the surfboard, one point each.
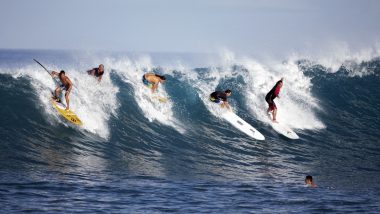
{"type": "Point", "coordinates": [283, 129]}
{"type": "Point", "coordinates": [157, 97]}
{"type": "Point", "coordinates": [242, 125]}
{"type": "Point", "coordinates": [160, 99]}
{"type": "Point", "coordinates": [68, 115]}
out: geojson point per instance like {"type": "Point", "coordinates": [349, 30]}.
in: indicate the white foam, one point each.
{"type": "Point", "coordinates": [296, 105]}
{"type": "Point", "coordinates": [93, 102]}
{"type": "Point", "coordinates": [206, 82]}
{"type": "Point", "coordinates": [131, 71]}
{"type": "Point", "coordinates": [340, 54]}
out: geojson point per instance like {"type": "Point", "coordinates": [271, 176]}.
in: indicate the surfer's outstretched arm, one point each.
{"type": "Point", "coordinates": [54, 74]}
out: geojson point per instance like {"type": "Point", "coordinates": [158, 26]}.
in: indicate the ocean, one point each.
{"type": "Point", "coordinates": [137, 155]}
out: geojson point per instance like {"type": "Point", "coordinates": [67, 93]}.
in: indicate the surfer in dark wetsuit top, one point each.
{"type": "Point", "coordinates": [272, 94]}
{"type": "Point", "coordinates": [220, 97]}
{"type": "Point", "coordinates": [97, 72]}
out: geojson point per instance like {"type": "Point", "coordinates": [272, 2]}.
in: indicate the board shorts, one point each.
{"type": "Point", "coordinates": [272, 105]}
{"type": "Point", "coordinates": [63, 88]}
{"type": "Point", "coordinates": [146, 82]}
{"type": "Point", "coordinates": [212, 99]}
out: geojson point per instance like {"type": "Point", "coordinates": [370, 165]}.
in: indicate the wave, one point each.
{"type": "Point", "coordinates": [250, 79]}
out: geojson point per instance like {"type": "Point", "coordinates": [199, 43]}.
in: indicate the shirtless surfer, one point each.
{"type": "Point", "coordinates": [272, 94]}
{"type": "Point", "coordinates": [152, 80]}
{"type": "Point", "coordinates": [97, 72]}
{"type": "Point", "coordinates": [66, 85]}
{"type": "Point", "coordinates": [220, 97]}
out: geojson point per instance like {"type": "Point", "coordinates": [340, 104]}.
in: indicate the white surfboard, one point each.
{"type": "Point", "coordinates": [243, 126]}
{"type": "Point", "coordinates": [283, 129]}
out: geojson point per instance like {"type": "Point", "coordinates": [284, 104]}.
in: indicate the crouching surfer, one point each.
{"type": "Point", "coordinates": [66, 85]}
{"type": "Point", "coordinates": [220, 97]}
{"type": "Point", "coordinates": [152, 80]}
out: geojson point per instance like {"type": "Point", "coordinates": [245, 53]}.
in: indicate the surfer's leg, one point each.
{"type": "Point", "coordinates": [270, 105]}
{"type": "Point", "coordinates": [57, 93]}
{"type": "Point", "coordinates": [274, 112]}
{"type": "Point", "coordinates": [67, 100]}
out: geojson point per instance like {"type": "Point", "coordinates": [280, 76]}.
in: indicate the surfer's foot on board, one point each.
{"type": "Point", "coordinates": [56, 99]}
{"type": "Point", "coordinates": [274, 121]}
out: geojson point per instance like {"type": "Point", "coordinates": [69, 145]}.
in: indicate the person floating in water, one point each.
{"type": "Point", "coordinates": [272, 94]}
{"type": "Point", "coordinates": [309, 181]}
{"type": "Point", "coordinates": [220, 97]}
{"type": "Point", "coordinates": [151, 80]}
{"type": "Point", "coordinates": [66, 85]}
{"type": "Point", "coordinates": [97, 72]}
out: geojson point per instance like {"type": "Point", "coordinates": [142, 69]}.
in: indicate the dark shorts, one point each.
{"type": "Point", "coordinates": [146, 82]}
{"type": "Point", "coordinates": [215, 100]}
{"type": "Point", "coordinates": [62, 87]}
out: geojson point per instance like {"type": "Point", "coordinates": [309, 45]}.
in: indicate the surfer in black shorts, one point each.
{"type": "Point", "coordinates": [97, 72]}
{"type": "Point", "coordinates": [66, 85]}
{"type": "Point", "coordinates": [272, 94]}
{"type": "Point", "coordinates": [220, 97]}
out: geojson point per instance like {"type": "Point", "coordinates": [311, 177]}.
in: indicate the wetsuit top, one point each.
{"type": "Point", "coordinates": [96, 72]}
{"type": "Point", "coordinates": [273, 93]}
{"type": "Point", "coordinates": [219, 95]}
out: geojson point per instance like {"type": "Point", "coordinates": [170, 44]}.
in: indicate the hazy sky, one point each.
{"type": "Point", "coordinates": [187, 25]}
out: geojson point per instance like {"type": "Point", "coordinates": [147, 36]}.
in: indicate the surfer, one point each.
{"type": "Point", "coordinates": [97, 72]}
{"type": "Point", "coordinates": [66, 85]}
{"type": "Point", "coordinates": [151, 80]}
{"type": "Point", "coordinates": [220, 97]}
{"type": "Point", "coordinates": [272, 94]}
{"type": "Point", "coordinates": [309, 181]}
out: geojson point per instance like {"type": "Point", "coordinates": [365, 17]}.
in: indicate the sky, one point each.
{"type": "Point", "coordinates": [205, 26]}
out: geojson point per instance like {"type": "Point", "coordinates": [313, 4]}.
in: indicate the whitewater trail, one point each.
{"type": "Point", "coordinates": [131, 72]}
{"type": "Point", "coordinates": [93, 102]}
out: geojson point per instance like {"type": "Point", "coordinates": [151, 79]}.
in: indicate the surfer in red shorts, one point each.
{"type": "Point", "coordinates": [272, 94]}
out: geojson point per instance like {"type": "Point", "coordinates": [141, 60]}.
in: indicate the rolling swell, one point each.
{"type": "Point", "coordinates": [189, 158]}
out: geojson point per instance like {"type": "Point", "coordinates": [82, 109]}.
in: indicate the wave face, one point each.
{"type": "Point", "coordinates": [137, 154]}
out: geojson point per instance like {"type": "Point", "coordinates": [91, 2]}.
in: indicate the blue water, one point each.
{"type": "Point", "coordinates": [135, 155]}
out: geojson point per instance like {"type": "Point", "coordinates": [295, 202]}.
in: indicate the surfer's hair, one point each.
{"type": "Point", "coordinates": [308, 177]}
{"type": "Point", "coordinates": [227, 91]}
{"type": "Point", "coordinates": [161, 77]}
{"type": "Point", "coordinates": [62, 72]}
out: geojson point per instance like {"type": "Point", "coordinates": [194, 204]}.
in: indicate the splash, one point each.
{"type": "Point", "coordinates": [131, 72]}
{"type": "Point", "coordinates": [93, 102]}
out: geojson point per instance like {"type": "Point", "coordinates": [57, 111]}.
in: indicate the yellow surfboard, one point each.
{"type": "Point", "coordinates": [69, 115]}
{"type": "Point", "coordinates": [161, 99]}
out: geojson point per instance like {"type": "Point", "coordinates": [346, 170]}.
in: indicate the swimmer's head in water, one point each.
{"type": "Point", "coordinates": [308, 179]}
{"type": "Point", "coordinates": [228, 92]}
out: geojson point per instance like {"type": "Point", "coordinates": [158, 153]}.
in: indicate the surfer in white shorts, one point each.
{"type": "Point", "coordinates": [220, 97]}
{"type": "Point", "coordinates": [66, 85]}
